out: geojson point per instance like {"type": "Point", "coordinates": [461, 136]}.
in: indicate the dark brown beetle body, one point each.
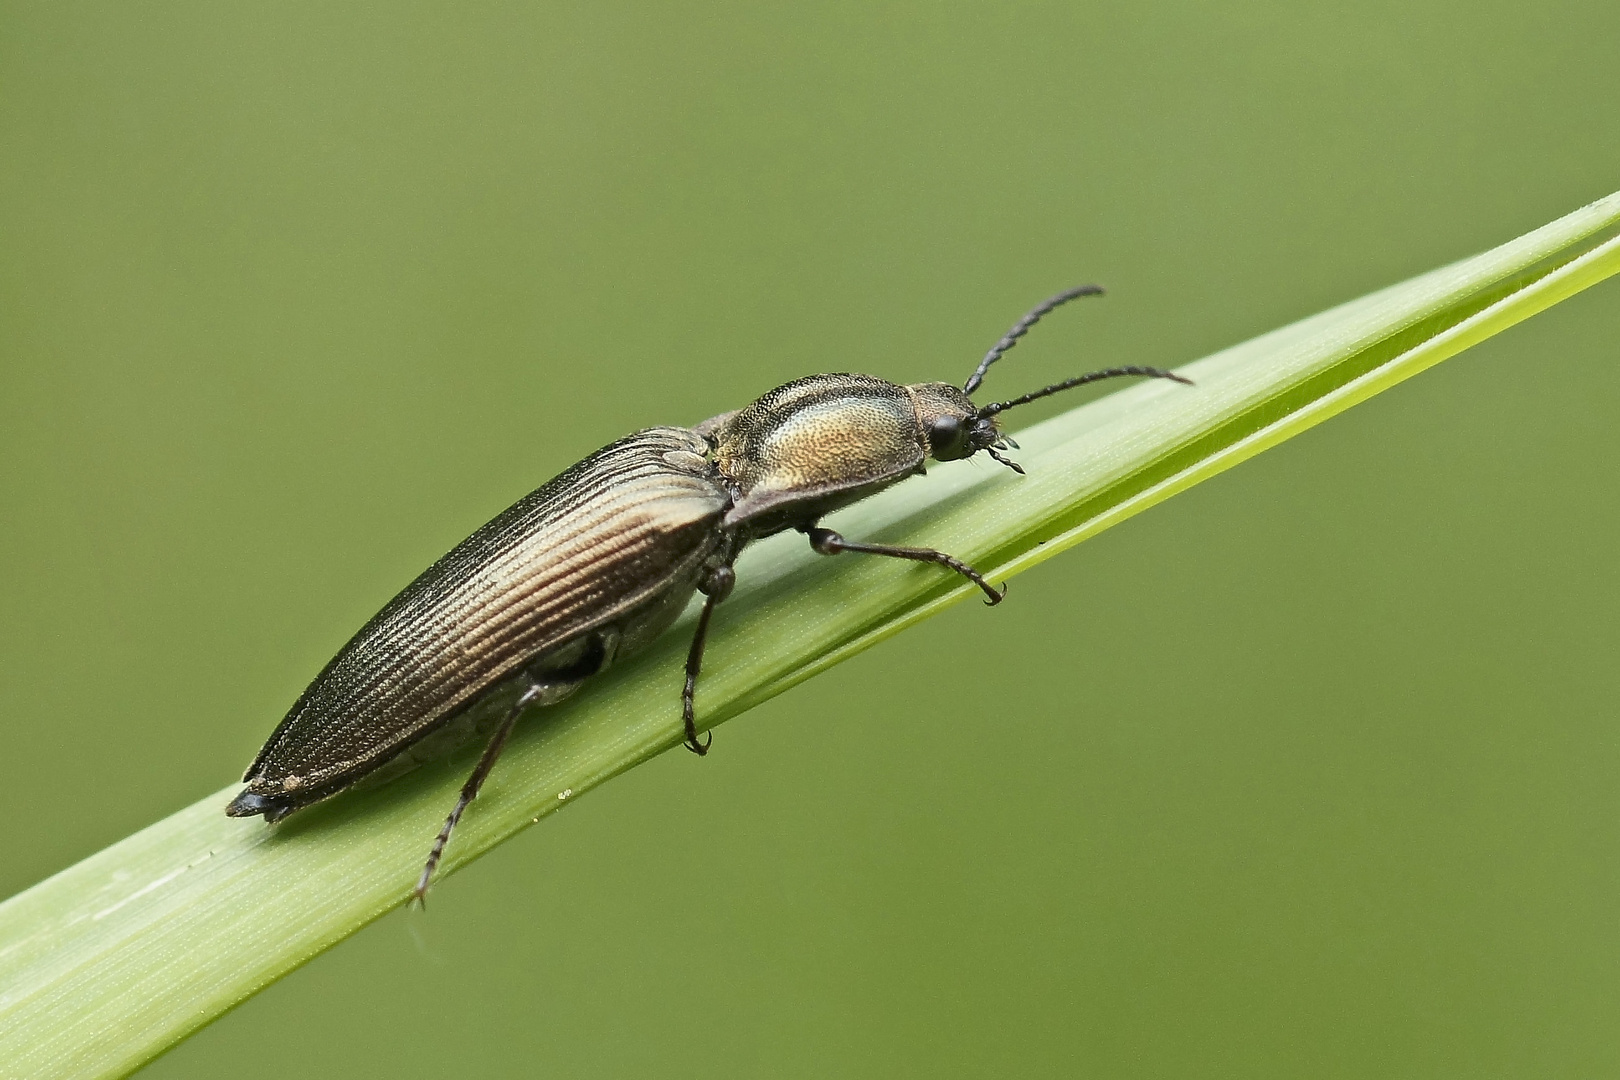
{"type": "Point", "coordinates": [533, 594]}
{"type": "Point", "coordinates": [602, 559]}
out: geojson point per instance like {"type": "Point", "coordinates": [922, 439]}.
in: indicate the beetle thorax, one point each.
{"type": "Point", "coordinates": [819, 431]}
{"type": "Point", "coordinates": [816, 444]}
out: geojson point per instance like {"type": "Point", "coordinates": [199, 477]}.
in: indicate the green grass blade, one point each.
{"type": "Point", "coordinates": [111, 961]}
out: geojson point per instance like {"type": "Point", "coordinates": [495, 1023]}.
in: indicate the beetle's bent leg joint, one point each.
{"type": "Point", "coordinates": [715, 587]}
{"type": "Point", "coordinates": [469, 790]}
{"type": "Point", "coordinates": [718, 583]}
{"type": "Point", "coordinates": [827, 542]}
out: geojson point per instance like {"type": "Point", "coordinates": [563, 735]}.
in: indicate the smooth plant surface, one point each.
{"type": "Point", "coordinates": [117, 958]}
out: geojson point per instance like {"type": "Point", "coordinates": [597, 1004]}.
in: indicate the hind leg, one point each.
{"type": "Point", "coordinates": [469, 790]}
{"type": "Point", "coordinates": [542, 689]}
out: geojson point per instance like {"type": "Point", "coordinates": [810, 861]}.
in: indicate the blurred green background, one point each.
{"type": "Point", "coordinates": [1313, 770]}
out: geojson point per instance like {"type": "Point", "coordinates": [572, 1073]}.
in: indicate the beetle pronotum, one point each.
{"type": "Point", "coordinates": [602, 559]}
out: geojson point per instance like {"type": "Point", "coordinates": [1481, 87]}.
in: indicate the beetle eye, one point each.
{"type": "Point", "coordinates": [947, 438]}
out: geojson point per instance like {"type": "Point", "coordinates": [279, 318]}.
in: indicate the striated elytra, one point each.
{"type": "Point", "coordinates": [600, 560]}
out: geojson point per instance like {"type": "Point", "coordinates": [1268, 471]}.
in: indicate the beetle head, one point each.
{"type": "Point", "coordinates": [956, 429]}
{"type": "Point", "coordinates": [962, 429]}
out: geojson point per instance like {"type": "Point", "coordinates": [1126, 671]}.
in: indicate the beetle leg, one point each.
{"type": "Point", "coordinates": [827, 542]}
{"type": "Point", "coordinates": [715, 588]}
{"type": "Point", "coordinates": [469, 790]}
{"type": "Point", "coordinates": [1009, 462]}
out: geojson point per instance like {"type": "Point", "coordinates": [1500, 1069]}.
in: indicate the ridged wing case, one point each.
{"type": "Point", "coordinates": [605, 554]}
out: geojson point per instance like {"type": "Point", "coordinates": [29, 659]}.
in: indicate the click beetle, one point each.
{"type": "Point", "coordinates": [599, 561]}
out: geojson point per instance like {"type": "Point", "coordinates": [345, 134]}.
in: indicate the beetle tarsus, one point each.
{"type": "Point", "coordinates": [827, 542]}
{"type": "Point", "coordinates": [715, 588]}
{"type": "Point", "coordinates": [469, 790]}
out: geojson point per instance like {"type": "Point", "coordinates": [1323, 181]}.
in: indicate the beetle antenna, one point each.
{"type": "Point", "coordinates": [1080, 380]}
{"type": "Point", "coordinates": [1021, 327]}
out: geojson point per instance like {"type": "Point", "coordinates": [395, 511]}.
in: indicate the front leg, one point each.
{"type": "Point", "coordinates": [828, 542]}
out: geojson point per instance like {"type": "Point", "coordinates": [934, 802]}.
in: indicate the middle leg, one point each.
{"type": "Point", "coordinates": [715, 588]}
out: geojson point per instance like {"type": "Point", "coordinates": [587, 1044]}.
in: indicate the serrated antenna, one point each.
{"type": "Point", "coordinates": [1021, 327]}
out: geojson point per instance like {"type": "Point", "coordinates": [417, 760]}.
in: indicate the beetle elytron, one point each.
{"type": "Point", "coordinates": [602, 559]}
